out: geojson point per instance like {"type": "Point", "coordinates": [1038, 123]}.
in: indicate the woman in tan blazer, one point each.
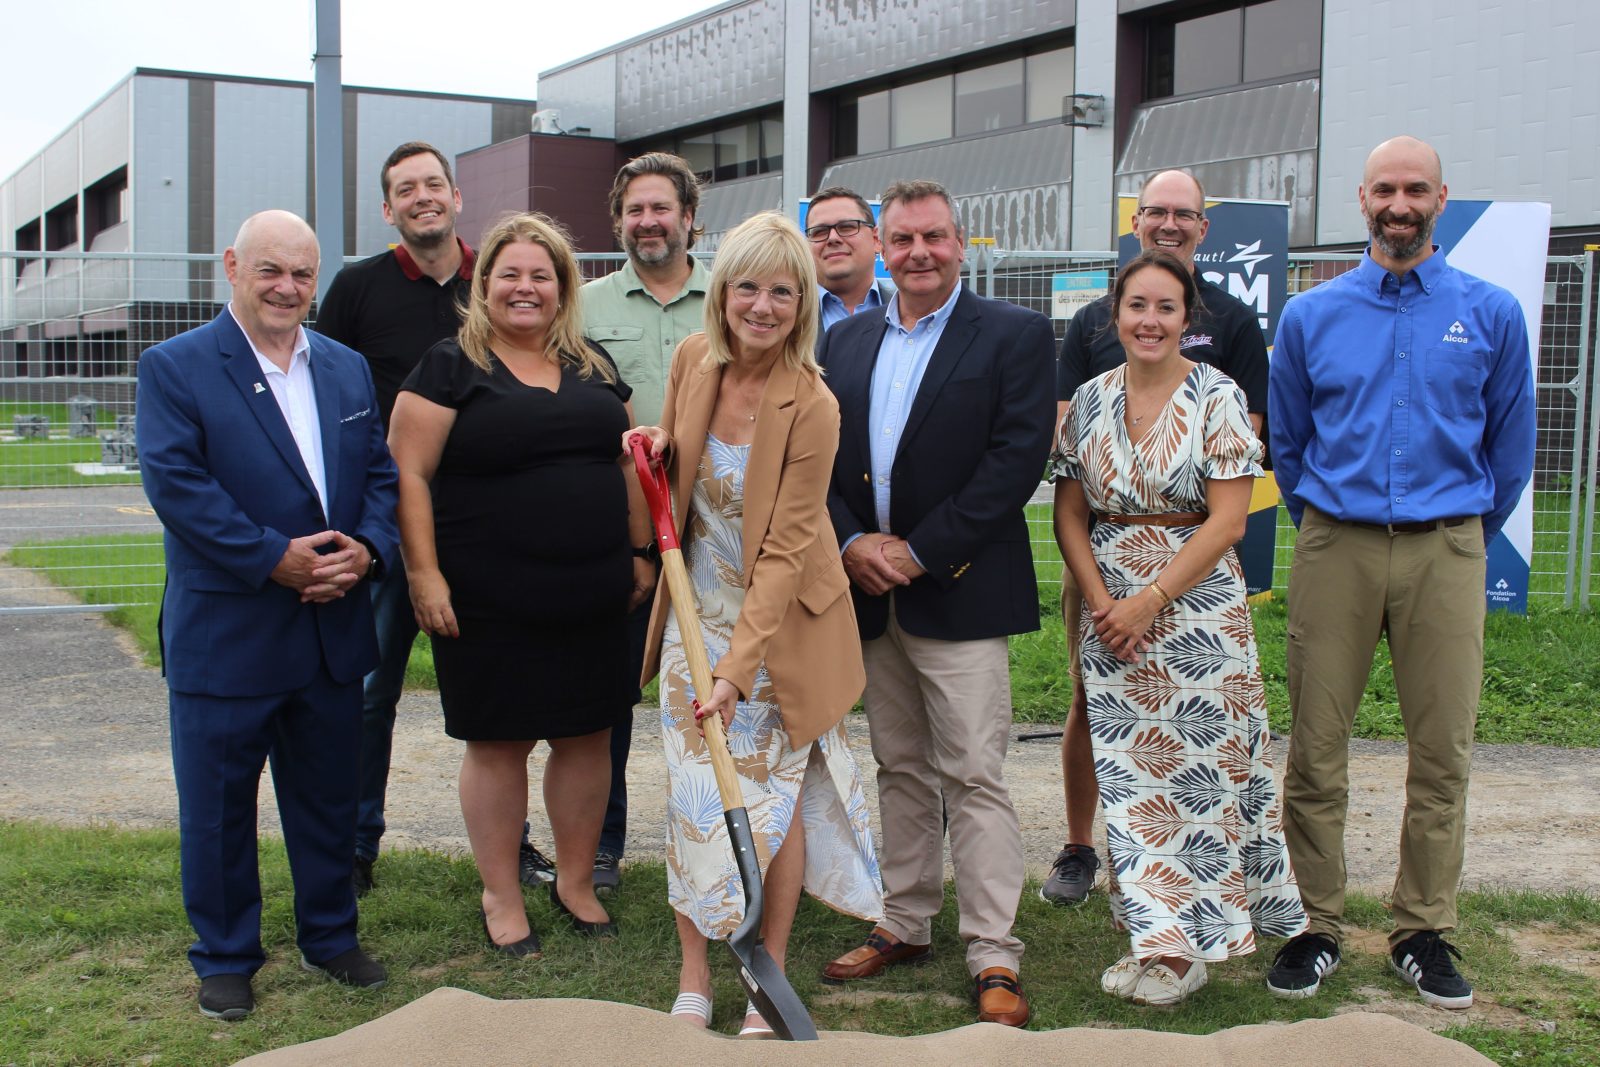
{"type": "Point", "coordinates": [749, 433]}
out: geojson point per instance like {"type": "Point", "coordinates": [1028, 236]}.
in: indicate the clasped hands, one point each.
{"type": "Point", "coordinates": [1122, 624]}
{"type": "Point", "coordinates": [877, 562]}
{"type": "Point", "coordinates": [320, 577]}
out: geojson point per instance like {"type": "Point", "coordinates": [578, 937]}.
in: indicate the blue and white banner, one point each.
{"type": "Point", "coordinates": [1506, 243]}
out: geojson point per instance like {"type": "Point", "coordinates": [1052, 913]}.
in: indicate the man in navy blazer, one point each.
{"type": "Point", "coordinates": [946, 408]}
{"type": "Point", "coordinates": [263, 453]}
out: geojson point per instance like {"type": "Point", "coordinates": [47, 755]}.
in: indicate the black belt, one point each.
{"type": "Point", "coordinates": [1407, 527]}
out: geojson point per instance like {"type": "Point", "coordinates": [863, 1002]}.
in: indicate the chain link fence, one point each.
{"type": "Point", "coordinates": [76, 531]}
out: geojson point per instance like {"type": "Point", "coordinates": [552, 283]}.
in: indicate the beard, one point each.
{"type": "Point", "coordinates": [1398, 249]}
{"type": "Point", "coordinates": [670, 249]}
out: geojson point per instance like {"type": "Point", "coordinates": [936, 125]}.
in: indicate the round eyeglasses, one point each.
{"type": "Point", "coordinates": [747, 291]}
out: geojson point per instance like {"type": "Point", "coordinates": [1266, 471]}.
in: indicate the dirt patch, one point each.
{"type": "Point", "coordinates": [1577, 951]}
{"type": "Point", "coordinates": [1403, 1004]}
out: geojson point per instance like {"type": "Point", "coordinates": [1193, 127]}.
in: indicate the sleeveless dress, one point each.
{"type": "Point", "coordinates": [1181, 748]}
{"type": "Point", "coordinates": [702, 881]}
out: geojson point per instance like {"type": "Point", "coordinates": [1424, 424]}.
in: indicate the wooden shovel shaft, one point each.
{"type": "Point", "coordinates": [686, 608]}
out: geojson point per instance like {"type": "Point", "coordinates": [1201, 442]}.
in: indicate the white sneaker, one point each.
{"type": "Point", "coordinates": [1160, 985]}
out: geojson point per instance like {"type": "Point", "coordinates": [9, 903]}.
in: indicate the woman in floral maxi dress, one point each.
{"type": "Point", "coordinates": [1161, 451]}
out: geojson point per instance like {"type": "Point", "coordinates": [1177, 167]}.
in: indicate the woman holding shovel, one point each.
{"type": "Point", "coordinates": [748, 436]}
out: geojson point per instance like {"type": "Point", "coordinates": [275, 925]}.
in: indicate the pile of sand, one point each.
{"type": "Point", "coordinates": [452, 1026]}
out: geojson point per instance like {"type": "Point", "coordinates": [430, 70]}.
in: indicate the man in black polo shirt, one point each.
{"type": "Point", "coordinates": [1225, 334]}
{"type": "Point", "coordinates": [392, 308]}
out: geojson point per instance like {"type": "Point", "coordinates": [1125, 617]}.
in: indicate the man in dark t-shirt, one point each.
{"type": "Point", "coordinates": [1225, 334]}
{"type": "Point", "coordinates": [392, 308]}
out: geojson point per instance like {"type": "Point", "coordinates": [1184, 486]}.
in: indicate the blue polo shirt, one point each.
{"type": "Point", "coordinates": [1403, 399]}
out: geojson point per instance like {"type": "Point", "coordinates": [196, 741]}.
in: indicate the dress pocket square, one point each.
{"type": "Point", "coordinates": [363, 413]}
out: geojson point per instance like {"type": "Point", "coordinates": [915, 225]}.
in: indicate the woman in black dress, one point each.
{"type": "Point", "coordinates": [517, 526]}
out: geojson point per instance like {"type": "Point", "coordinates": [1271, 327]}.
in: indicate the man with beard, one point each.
{"type": "Point", "coordinates": [1402, 418]}
{"type": "Point", "coordinates": [392, 308]}
{"type": "Point", "coordinates": [639, 314]}
{"type": "Point", "coordinates": [1171, 217]}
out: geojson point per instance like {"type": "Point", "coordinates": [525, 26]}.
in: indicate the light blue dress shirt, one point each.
{"type": "Point", "coordinates": [1403, 399]}
{"type": "Point", "coordinates": [833, 309]}
{"type": "Point", "coordinates": [903, 357]}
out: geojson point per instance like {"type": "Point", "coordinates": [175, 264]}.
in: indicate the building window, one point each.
{"type": "Point", "coordinates": [972, 100]}
{"type": "Point", "coordinates": [1265, 41]}
{"type": "Point", "coordinates": [105, 204]}
{"type": "Point", "coordinates": [61, 225]}
{"type": "Point", "coordinates": [728, 150]}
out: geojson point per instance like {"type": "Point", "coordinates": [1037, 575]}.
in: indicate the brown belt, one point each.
{"type": "Point", "coordinates": [1407, 527]}
{"type": "Point", "coordinates": [1171, 518]}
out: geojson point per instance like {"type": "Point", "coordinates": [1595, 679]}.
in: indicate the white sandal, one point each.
{"type": "Point", "coordinates": [691, 1005]}
{"type": "Point", "coordinates": [754, 1031]}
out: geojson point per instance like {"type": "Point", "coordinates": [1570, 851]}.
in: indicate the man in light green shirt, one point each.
{"type": "Point", "coordinates": [640, 313]}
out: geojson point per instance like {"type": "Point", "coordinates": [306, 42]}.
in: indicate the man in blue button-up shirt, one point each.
{"type": "Point", "coordinates": [1402, 420]}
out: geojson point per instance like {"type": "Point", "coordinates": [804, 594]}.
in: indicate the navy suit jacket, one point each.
{"type": "Point", "coordinates": [972, 453]}
{"type": "Point", "coordinates": [223, 473]}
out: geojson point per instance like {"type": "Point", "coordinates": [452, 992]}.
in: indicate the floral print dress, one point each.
{"type": "Point", "coordinates": [702, 881]}
{"type": "Point", "coordinates": [1181, 748]}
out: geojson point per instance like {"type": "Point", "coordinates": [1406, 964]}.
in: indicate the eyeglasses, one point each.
{"type": "Point", "coordinates": [844, 228]}
{"type": "Point", "coordinates": [747, 291]}
{"type": "Point", "coordinates": [1183, 216]}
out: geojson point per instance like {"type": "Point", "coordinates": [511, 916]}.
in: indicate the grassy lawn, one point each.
{"type": "Point", "coordinates": [1536, 690]}
{"type": "Point", "coordinates": [93, 936]}
{"type": "Point", "coordinates": [32, 463]}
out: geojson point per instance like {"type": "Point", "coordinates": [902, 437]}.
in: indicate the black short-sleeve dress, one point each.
{"type": "Point", "coordinates": [530, 515]}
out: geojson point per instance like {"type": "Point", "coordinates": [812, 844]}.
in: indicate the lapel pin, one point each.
{"type": "Point", "coordinates": [260, 388]}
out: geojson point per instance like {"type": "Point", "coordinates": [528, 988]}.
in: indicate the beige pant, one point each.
{"type": "Point", "coordinates": [940, 717]}
{"type": "Point", "coordinates": [1425, 591]}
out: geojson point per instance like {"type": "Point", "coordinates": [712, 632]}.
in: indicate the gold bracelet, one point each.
{"type": "Point", "coordinates": [1166, 600]}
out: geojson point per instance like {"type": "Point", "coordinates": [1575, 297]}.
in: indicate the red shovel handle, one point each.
{"type": "Point", "coordinates": [657, 493]}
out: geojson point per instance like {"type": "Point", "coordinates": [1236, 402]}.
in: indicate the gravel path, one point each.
{"type": "Point", "coordinates": [83, 729]}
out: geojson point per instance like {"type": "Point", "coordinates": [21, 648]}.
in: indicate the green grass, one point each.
{"type": "Point", "coordinates": [1537, 689]}
{"type": "Point", "coordinates": [33, 463]}
{"type": "Point", "coordinates": [93, 936]}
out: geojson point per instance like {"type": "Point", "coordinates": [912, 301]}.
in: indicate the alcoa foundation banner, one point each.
{"type": "Point", "coordinates": [1504, 242]}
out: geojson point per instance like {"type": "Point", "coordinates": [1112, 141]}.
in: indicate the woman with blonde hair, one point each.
{"type": "Point", "coordinates": [748, 434]}
{"type": "Point", "coordinates": [516, 524]}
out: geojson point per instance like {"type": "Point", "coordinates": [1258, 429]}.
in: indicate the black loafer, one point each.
{"type": "Point", "coordinates": [226, 997]}
{"type": "Point", "coordinates": [528, 947]}
{"type": "Point", "coordinates": [587, 929]}
{"type": "Point", "coordinates": [352, 967]}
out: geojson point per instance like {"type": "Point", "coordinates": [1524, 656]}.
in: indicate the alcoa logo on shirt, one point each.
{"type": "Point", "coordinates": [1457, 334]}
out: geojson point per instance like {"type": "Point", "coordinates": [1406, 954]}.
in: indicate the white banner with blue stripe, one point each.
{"type": "Point", "coordinates": [1504, 242]}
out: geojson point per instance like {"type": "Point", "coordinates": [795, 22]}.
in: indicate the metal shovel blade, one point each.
{"type": "Point", "coordinates": [760, 974]}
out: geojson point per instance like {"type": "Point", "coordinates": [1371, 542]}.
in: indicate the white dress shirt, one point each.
{"type": "Point", "coordinates": [296, 395]}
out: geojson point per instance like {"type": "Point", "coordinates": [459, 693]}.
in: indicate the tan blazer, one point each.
{"type": "Point", "coordinates": [796, 617]}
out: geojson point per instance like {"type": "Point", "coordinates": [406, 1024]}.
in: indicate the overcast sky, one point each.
{"type": "Point", "coordinates": [62, 56]}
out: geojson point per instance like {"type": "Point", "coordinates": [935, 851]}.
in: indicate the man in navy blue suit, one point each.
{"type": "Point", "coordinates": [263, 454]}
{"type": "Point", "coordinates": [945, 407]}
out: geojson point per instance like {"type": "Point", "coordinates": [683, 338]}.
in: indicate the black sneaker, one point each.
{"type": "Point", "coordinates": [1071, 876]}
{"type": "Point", "coordinates": [361, 876]}
{"type": "Point", "coordinates": [532, 866]}
{"type": "Point", "coordinates": [1301, 965]}
{"type": "Point", "coordinates": [226, 997]}
{"type": "Point", "coordinates": [607, 873]}
{"type": "Point", "coordinates": [1423, 959]}
{"type": "Point", "coordinates": [352, 967]}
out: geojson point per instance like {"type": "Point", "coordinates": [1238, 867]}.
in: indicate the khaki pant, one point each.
{"type": "Point", "coordinates": [939, 713]}
{"type": "Point", "coordinates": [1348, 585]}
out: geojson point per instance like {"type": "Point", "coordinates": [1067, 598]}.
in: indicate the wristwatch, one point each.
{"type": "Point", "coordinates": [651, 552]}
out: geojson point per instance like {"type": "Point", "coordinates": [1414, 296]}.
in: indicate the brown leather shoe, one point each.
{"type": "Point", "coordinates": [1000, 998]}
{"type": "Point", "coordinates": [881, 950]}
